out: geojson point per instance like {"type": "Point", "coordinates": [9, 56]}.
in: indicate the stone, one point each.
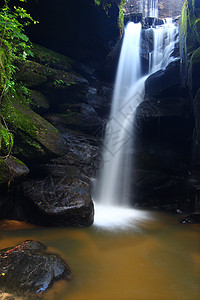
{"type": "Point", "coordinates": [35, 138]}
{"type": "Point", "coordinates": [39, 102]}
{"type": "Point", "coordinates": [27, 269]}
{"type": "Point", "coordinates": [191, 219]}
{"type": "Point", "coordinates": [52, 201]}
{"type": "Point", "coordinates": [164, 82]}
{"type": "Point", "coordinates": [33, 74]}
{"type": "Point", "coordinates": [52, 59]}
{"type": "Point", "coordinates": [81, 117]}
{"type": "Point", "coordinates": [11, 169]}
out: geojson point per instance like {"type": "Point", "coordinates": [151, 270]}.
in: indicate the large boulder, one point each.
{"type": "Point", "coordinates": [81, 117]}
{"type": "Point", "coordinates": [11, 169]}
{"type": "Point", "coordinates": [164, 82]}
{"type": "Point", "coordinates": [35, 138]}
{"type": "Point", "coordinates": [58, 202]}
{"type": "Point", "coordinates": [61, 193]}
{"type": "Point", "coordinates": [27, 269]}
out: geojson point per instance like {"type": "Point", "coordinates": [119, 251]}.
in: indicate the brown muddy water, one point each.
{"type": "Point", "coordinates": [155, 258]}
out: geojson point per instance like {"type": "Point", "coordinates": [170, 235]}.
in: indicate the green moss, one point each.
{"type": "Point", "coordinates": [6, 140]}
{"type": "Point", "coordinates": [184, 18]}
{"type": "Point", "coordinates": [196, 56]}
{"type": "Point", "coordinates": [52, 59]}
{"type": "Point", "coordinates": [197, 29]}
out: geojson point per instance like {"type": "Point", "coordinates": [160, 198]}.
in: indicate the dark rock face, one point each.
{"type": "Point", "coordinates": [164, 82]}
{"type": "Point", "coordinates": [52, 201]}
{"type": "Point", "coordinates": [61, 194]}
{"type": "Point", "coordinates": [190, 61]}
{"type": "Point", "coordinates": [28, 269]}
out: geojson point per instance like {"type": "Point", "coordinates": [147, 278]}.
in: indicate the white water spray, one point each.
{"type": "Point", "coordinates": [114, 182]}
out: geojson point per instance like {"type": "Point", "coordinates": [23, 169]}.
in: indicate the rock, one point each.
{"type": "Point", "coordinates": [39, 102]}
{"type": "Point", "coordinates": [164, 82]}
{"type": "Point", "coordinates": [65, 87]}
{"type": "Point", "coordinates": [197, 114]}
{"type": "Point", "coordinates": [51, 58]}
{"type": "Point", "coordinates": [191, 219]}
{"type": "Point", "coordinates": [11, 169]}
{"type": "Point", "coordinates": [81, 117]}
{"type": "Point", "coordinates": [33, 74]}
{"type": "Point", "coordinates": [35, 138]}
{"type": "Point", "coordinates": [6, 141]}
{"type": "Point", "coordinates": [163, 107]}
{"type": "Point", "coordinates": [60, 194]}
{"type": "Point", "coordinates": [58, 202]}
{"type": "Point", "coordinates": [27, 269]}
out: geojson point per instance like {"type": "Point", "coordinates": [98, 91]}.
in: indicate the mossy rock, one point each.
{"type": "Point", "coordinates": [196, 57]}
{"type": "Point", "coordinates": [11, 169]}
{"type": "Point", "coordinates": [6, 140]}
{"type": "Point", "coordinates": [190, 26]}
{"type": "Point", "coordinates": [33, 74]}
{"type": "Point", "coordinates": [34, 136]}
{"type": "Point", "coordinates": [51, 58]}
{"type": "Point", "coordinates": [39, 102]}
{"type": "Point", "coordinates": [197, 29]}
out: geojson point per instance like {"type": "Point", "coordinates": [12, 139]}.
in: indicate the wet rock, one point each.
{"type": "Point", "coordinates": [28, 269]}
{"type": "Point", "coordinates": [191, 219]}
{"type": "Point", "coordinates": [81, 117]}
{"type": "Point", "coordinates": [164, 82]}
{"type": "Point", "coordinates": [12, 169]}
{"type": "Point", "coordinates": [58, 202]}
{"type": "Point", "coordinates": [39, 102]}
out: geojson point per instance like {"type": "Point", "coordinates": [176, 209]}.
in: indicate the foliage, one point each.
{"type": "Point", "coordinates": [14, 44]}
{"type": "Point", "coordinates": [14, 41]}
{"type": "Point", "coordinates": [107, 5]}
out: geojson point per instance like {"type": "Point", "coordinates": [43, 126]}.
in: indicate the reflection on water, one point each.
{"type": "Point", "coordinates": [160, 261]}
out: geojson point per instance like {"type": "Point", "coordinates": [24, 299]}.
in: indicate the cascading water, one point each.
{"type": "Point", "coordinates": [113, 184]}
{"type": "Point", "coordinates": [149, 8]}
{"type": "Point", "coordinates": [164, 40]}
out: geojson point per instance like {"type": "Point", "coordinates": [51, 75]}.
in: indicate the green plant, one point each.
{"type": "Point", "coordinates": [107, 5]}
{"type": "Point", "coordinates": [14, 42]}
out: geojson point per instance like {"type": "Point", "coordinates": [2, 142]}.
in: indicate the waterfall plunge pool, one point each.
{"type": "Point", "coordinates": [152, 258]}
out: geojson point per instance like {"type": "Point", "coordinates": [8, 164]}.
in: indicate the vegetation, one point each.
{"type": "Point", "coordinates": [106, 5]}
{"type": "Point", "coordinates": [14, 44]}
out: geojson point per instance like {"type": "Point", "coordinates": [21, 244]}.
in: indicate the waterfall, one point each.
{"type": "Point", "coordinates": [149, 8]}
{"type": "Point", "coordinates": [113, 188]}
{"type": "Point", "coordinates": [164, 37]}
{"type": "Point", "coordinates": [113, 183]}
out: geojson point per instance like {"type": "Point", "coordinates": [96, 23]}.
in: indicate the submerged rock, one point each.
{"type": "Point", "coordinates": [28, 269]}
{"type": "Point", "coordinates": [191, 219]}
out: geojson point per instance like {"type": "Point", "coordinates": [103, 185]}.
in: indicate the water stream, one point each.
{"type": "Point", "coordinates": [114, 188]}
{"type": "Point", "coordinates": [149, 8]}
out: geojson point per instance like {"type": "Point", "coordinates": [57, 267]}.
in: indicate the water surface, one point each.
{"type": "Point", "coordinates": [155, 258]}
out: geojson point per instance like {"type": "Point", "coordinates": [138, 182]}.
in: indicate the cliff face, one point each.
{"type": "Point", "coordinates": [190, 58]}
